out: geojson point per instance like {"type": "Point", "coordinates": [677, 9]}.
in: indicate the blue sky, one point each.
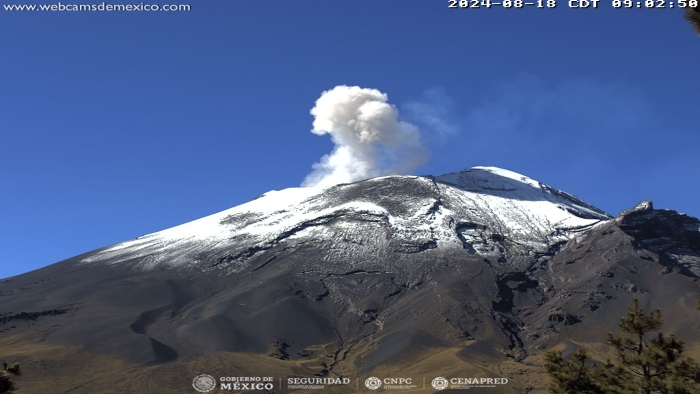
{"type": "Point", "coordinates": [115, 125]}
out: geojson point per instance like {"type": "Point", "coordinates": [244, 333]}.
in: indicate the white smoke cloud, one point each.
{"type": "Point", "coordinates": [369, 138]}
{"type": "Point", "coordinates": [433, 112]}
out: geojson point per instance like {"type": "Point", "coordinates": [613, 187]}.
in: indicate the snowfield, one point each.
{"type": "Point", "coordinates": [476, 209]}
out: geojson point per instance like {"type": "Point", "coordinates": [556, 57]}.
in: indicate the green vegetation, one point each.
{"type": "Point", "coordinates": [11, 367]}
{"type": "Point", "coordinates": [693, 16]}
{"type": "Point", "coordinates": [646, 364]}
{"type": "Point", "coordinates": [8, 369]}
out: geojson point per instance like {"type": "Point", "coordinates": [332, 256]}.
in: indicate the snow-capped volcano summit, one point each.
{"type": "Point", "coordinates": [487, 210]}
{"type": "Point", "coordinates": [395, 275]}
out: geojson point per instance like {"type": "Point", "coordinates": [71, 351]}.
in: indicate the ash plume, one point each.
{"type": "Point", "coordinates": [369, 138]}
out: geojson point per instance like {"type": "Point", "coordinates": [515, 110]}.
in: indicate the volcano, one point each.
{"type": "Point", "coordinates": [472, 274]}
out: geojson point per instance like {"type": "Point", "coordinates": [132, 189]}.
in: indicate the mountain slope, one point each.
{"type": "Point", "coordinates": [413, 212]}
{"type": "Point", "coordinates": [480, 268]}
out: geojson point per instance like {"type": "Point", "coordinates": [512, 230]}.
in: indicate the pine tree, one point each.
{"type": "Point", "coordinates": [693, 16]}
{"type": "Point", "coordinates": [644, 365]}
{"type": "Point", "coordinates": [577, 374]}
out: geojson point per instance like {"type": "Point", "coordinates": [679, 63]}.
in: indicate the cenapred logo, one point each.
{"type": "Point", "coordinates": [440, 383]}
{"type": "Point", "coordinates": [204, 383]}
{"type": "Point", "coordinates": [373, 383]}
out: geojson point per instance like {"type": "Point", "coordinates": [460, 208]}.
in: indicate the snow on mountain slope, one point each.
{"type": "Point", "coordinates": [484, 210]}
{"type": "Point", "coordinates": [519, 205]}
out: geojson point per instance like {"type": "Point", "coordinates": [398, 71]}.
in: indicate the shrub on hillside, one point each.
{"type": "Point", "coordinates": [5, 382]}
{"type": "Point", "coordinates": [11, 367]}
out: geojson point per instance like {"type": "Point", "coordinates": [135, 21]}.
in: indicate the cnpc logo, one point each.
{"type": "Point", "coordinates": [375, 383]}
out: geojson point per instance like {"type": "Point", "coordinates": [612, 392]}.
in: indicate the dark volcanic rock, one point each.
{"type": "Point", "coordinates": [362, 274]}
{"type": "Point", "coordinates": [674, 237]}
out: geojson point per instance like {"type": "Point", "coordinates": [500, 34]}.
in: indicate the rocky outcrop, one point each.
{"type": "Point", "coordinates": [673, 236]}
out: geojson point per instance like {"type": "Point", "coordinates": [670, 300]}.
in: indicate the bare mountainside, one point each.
{"type": "Point", "coordinates": [471, 274]}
